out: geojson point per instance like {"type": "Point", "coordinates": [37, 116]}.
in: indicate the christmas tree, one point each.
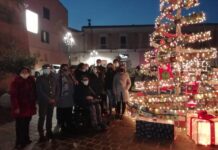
{"type": "Point", "coordinates": [183, 73]}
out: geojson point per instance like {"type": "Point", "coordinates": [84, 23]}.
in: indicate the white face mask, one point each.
{"type": "Point", "coordinates": [86, 82]}
{"type": "Point", "coordinates": [24, 75]}
{"type": "Point", "coordinates": [95, 71]}
{"type": "Point", "coordinates": [83, 70]}
{"type": "Point", "coordinates": [116, 64]}
{"type": "Point", "coordinates": [46, 71]}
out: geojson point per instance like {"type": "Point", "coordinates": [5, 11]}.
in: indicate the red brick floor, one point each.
{"type": "Point", "coordinates": [119, 136]}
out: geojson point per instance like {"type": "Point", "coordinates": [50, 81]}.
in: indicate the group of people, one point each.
{"type": "Point", "coordinates": [96, 89]}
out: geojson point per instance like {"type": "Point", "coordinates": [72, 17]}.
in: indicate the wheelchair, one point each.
{"type": "Point", "coordinates": [81, 117]}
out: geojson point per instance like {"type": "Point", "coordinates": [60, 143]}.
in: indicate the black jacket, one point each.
{"type": "Point", "coordinates": [97, 83]}
{"type": "Point", "coordinates": [109, 76]}
{"type": "Point", "coordinates": [81, 92]}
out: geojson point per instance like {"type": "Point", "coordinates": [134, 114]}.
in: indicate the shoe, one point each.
{"type": "Point", "coordinates": [49, 135]}
{"type": "Point", "coordinates": [28, 142]}
{"type": "Point", "coordinates": [117, 116]}
{"type": "Point", "coordinates": [57, 129]}
{"type": "Point", "coordinates": [121, 117]}
{"type": "Point", "coordinates": [103, 126]}
{"type": "Point", "coordinates": [19, 146]}
{"type": "Point", "coordinates": [42, 139]}
{"type": "Point", "coordinates": [97, 129]}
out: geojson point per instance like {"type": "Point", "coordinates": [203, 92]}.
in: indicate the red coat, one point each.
{"type": "Point", "coordinates": [23, 96]}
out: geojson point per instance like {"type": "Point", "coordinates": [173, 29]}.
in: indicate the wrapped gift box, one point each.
{"type": "Point", "coordinates": [202, 131]}
{"type": "Point", "coordinates": [205, 132]}
{"type": "Point", "coordinates": [189, 121]}
{"type": "Point", "coordinates": [149, 128]}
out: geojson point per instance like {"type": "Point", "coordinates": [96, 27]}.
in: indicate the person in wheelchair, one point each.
{"type": "Point", "coordinates": [86, 98]}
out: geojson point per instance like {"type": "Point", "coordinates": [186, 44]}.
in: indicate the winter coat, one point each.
{"type": "Point", "coordinates": [97, 83]}
{"type": "Point", "coordinates": [23, 96]}
{"type": "Point", "coordinates": [64, 92]}
{"type": "Point", "coordinates": [46, 89]}
{"type": "Point", "coordinates": [81, 92]}
{"type": "Point", "coordinates": [109, 76]}
{"type": "Point", "coordinates": [79, 74]}
{"type": "Point", "coordinates": [121, 85]}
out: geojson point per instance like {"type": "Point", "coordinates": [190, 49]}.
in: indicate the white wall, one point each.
{"type": "Point", "coordinates": [107, 56]}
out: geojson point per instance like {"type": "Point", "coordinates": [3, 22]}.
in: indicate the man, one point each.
{"type": "Point", "coordinates": [80, 71]}
{"type": "Point", "coordinates": [65, 99]}
{"type": "Point", "coordinates": [99, 65]}
{"type": "Point", "coordinates": [116, 64]}
{"type": "Point", "coordinates": [109, 76]}
{"type": "Point", "coordinates": [46, 86]}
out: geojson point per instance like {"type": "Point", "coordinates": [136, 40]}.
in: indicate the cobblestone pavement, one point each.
{"type": "Point", "coordinates": [119, 136]}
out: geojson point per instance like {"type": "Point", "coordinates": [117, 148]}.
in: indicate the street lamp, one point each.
{"type": "Point", "coordinates": [93, 54]}
{"type": "Point", "coordinates": [69, 41]}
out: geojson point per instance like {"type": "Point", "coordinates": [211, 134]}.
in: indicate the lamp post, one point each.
{"type": "Point", "coordinates": [93, 54]}
{"type": "Point", "coordinates": [69, 41]}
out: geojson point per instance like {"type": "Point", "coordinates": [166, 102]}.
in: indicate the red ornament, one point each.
{"type": "Point", "coordinates": [191, 104]}
{"type": "Point", "coordinates": [170, 16]}
{"type": "Point", "coordinates": [173, 1]}
{"type": "Point", "coordinates": [162, 42]}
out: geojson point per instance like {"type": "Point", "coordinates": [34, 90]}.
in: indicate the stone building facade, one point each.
{"type": "Point", "coordinates": [13, 35]}
{"type": "Point", "coordinates": [128, 42]}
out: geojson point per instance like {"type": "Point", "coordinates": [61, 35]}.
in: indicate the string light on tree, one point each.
{"type": "Point", "coordinates": [183, 77]}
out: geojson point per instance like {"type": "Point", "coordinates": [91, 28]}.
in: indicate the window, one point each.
{"type": "Point", "coordinates": [123, 42]}
{"type": "Point", "coordinates": [32, 21]}
{"type": "Point", "coordinates": [5, 14]}
{"type": "Point", "coordinates": [103, 42]}
{"type": "Point", "coordinates": [46, 13]}
{"type": "Point", "coordinates": [45, 37]}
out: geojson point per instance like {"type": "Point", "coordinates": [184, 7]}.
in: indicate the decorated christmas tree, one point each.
{"type": "Point", "coordinates": [183, 72]}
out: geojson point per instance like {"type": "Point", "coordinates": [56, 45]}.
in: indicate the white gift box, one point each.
{"type": "Point", "coordinates": [201, 131]}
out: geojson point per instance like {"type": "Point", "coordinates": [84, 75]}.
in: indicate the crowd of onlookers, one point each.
{"type": "Point", "coordinates": [95, 89]}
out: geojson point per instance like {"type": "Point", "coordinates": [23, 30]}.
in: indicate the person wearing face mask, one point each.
{"type": "Point", "coordinates": [109, 76]}
{"type": "Point", "coordinates": [46, 91]}
{"type": "Point", "coordinates": [23, 104]}
{"type": "Point", "coordinates": [85, 97]}
{"type": "Point", "coordinates": [116, 64]}
{"type": "Point", "coordinates": [99, 65]}
{"type": "Point", "coordinates": [121, 86]}
{"type": "Point", "coordinates": [65, 99]}
{"type": "Point", "coordinates": [80, 71]}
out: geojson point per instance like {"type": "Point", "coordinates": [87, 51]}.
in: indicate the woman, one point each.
{"type": "Point", "coordinates": [23, 104]}
{"type": "Point", "coordinates": [121, 85]}
{"type": "Point", "coordinates": [85, 97]}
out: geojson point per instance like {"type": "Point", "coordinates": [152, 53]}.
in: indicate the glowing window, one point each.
{"type": "Point", "coordinates": [32, 21]}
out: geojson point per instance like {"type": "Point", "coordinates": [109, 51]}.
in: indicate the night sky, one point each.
{"type": "Point", "coordinates": [124, 12]}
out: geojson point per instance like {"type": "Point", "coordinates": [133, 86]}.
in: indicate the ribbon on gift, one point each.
{"type": "Point", "coordinates": [202, 114]}
{"type": "Point", "coordinates": [205, 116]}
{"type": "Point", "coordinates": [191, 118]}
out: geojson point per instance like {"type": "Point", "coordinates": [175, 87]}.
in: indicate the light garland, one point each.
{"type": "Point", "coordinates": [192, 82]}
